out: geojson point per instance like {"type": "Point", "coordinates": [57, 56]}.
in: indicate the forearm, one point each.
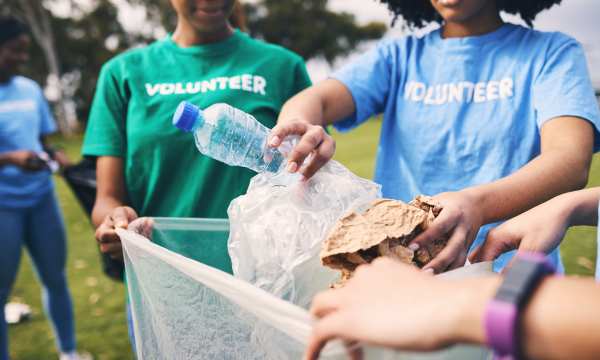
{"type": "Point", "coordinates": [581, 206]}
{"type": "Point", "coordinates": [561, 321]}
{"type": "Point", "coordinates": [541, 179]}
{"type": "Point", "coordinates": [322, 104]}
{"type": "Point", "coordinates": [5, 159]}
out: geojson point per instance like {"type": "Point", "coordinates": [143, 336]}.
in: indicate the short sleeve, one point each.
{"type": "Point", "coordinates": [105, 133]}
{"type": "Point", "coordinates": [48, 125]}
{"type": "Point", "coordinates": [563, 86]}
{"type": "Point", "coordinates": [368, 80]}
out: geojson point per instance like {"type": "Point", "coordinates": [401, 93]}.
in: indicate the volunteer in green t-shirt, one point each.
{"type": "Point", "coordinates": [147, 167]}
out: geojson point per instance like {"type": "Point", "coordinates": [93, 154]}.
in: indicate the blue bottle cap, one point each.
{"type": "Point", "coordinates": [185, 116]}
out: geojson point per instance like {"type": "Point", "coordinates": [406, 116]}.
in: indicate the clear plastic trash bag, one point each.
{"type": "Point", "coordinates": [278, 226]}
{"type": "Point", "coordinates": [183, 309]}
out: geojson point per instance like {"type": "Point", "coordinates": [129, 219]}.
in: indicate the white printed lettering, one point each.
{"type": "Point", "coordinates": [455, 93]}
{"type": "Point", "coordinates": [192, 88]}
{"type": "Point", "coordinates": [209, 85]}
{"type": "Point", "coordinates": [506, 88]}
{"type": "Point", "coordinates": [167, 89]}
{"type": "Point", "coordinates": [222, 82]}
{"type": "Point", "coordinates": [152, 89]}
{"type": "Point", "coordinates": [234, 82]}
{"type": "Point", "coordinates": [247, 82]}
{"type": "Point", "coordinates": [479, 94]}
{"type": "Point", "coordinates": [260, 85]}
{"type": "Point", "coordinates": [419, 91]}
{"type": "Point", "coordinates": [492, 91]}
{"type": "Point", "coordinates": [470, 87]}
{"type": "Point", "coordinates": [179, 89]}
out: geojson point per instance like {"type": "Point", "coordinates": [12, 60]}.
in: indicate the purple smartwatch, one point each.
{"type": "Point", "coordinates": [502, 314]}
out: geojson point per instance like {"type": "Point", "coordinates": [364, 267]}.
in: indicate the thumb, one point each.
{"type": "Point", "coordinates": [122, 216]}
{"type": "Point", "coordinates": [494, 246]}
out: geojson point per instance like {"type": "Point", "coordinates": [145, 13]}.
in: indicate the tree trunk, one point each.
{"type": "Point", "coordinates": [38, 20]}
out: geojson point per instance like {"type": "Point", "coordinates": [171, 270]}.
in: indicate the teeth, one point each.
{"type": "Point", "coordinates": [444, 2]}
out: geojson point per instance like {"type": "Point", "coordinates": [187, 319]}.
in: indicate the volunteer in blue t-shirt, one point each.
{"type": "Point", "coordinates": [29, 213]}
{"type": "Point", "coordinates": [492, 118]}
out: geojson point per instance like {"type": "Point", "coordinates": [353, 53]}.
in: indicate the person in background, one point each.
{"type": "Point", "coordinates": [29, 213]}
{"type": "Point", "coordinates": [146, 166]}
{"type": "Point", "coordinates": [490, 117]}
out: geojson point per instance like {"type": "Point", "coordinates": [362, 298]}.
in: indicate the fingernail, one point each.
{"type": "Point", "coordinates": [292, 167]}
{"type": "Point", "coordinates": [413, 246]}
{"type": "Point", "coordinates": [274, 141]}
{"type": "Point", "coordinates": [122, 224]}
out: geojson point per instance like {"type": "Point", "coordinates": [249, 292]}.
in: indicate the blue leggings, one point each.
{"type": "Point", "coordinates": [40, 229]}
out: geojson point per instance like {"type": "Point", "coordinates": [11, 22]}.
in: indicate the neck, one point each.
{"type": "Point", "coordinates": [185, 35]}
{"type": "Point", "coordinates": [487, 20]}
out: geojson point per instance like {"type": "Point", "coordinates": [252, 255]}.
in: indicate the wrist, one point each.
{"type": "Point", "coordinates": [565, 207]}
{"type": "Point", "coordinates": [470, 302]}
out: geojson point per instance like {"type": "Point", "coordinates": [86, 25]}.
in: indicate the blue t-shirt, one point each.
{"type": "Point", "coordinates": [460, 112]}
{"type": "Point", "coordinates": [24, 117]}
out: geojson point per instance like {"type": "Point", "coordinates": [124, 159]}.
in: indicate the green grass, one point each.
{"type": "Point", "coordinates": [99, 302]}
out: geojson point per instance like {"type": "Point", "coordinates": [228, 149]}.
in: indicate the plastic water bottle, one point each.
{"type": "Point", "coordinates": [231, 136]}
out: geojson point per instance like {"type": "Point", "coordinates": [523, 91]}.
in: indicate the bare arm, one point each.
{"type": "Point", "coordinates": [542, 228]}
{"type": "Point", "coordinates": [562, 320]}
{"type": "Point", "coordinates": [562, 166]}
{"type": "Point", "coordinates": [110, 210]}
{"type": "Point", "coordinates": [321, 104]}
{"type": "Point", "coordinates": [305, 115]}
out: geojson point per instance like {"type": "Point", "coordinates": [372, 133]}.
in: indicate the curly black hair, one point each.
{"type": "Point", "coordinates": [418, 13]}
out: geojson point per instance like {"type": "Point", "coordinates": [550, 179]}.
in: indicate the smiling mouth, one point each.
{"type": "Point", "coordinates": [208, 11]}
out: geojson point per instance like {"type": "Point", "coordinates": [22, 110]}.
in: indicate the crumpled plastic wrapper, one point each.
{"type": "Point", "coordinates": [279, 225]}
{"type": "Point", "coordinates": [385, 229]}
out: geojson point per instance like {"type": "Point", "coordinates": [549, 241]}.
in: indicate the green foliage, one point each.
{"type": "Point", "coordinates": [309, 28]}
{"type": "Point", "coordinates": [304, 26]}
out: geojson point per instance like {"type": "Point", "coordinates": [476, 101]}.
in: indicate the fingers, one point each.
{"type": "Point", "coordinates": [325, 302]}
{"type": "Point", "coordinates": [452, 254]}
{"type": "Point", "coordinates": [321, 156]}
{"type": "Point", "coordinates": [328, 328]}
{"type": "Point", "coordinates": [143, 226]}
{"type": "Point", "coordinates": [109, 241]}
{"type": "Point", "coordinates": [122, 216]}
{"type": "Point", "coordinates": [439, 228]}
{"type": "Point", "coordinates": [309, 143]}
{"type": "Point", "coordinates": [281, 131]}
{"type": "Point", "coordinates": [495, 244]}
{"type": "Point", "coordinates": [314, 142]}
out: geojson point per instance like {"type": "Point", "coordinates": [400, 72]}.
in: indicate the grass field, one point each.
{"type": "Point", "coordinates": [99, 302]}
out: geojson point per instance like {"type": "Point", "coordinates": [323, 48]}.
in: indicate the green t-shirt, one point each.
{"type": "Point", "coordinates": [138, 93]}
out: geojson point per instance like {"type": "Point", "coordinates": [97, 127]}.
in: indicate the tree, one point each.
{"type": "Point", "coordinates": [72, 48]}
{"type": "Point", "coordinates": [309, 28]}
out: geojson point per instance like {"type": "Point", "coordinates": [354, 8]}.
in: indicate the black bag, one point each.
{"type": "Point", "coordinates": [81, 179]}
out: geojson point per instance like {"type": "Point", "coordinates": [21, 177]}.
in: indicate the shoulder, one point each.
{"type": "Point", "coordinates": [133, 56]}
{"type": "Point", "coordinates": [25, 83]}
{"type": "Point", "coordinates": [271, 50]}
{"type": "Point", "coordinates": [547, 39]}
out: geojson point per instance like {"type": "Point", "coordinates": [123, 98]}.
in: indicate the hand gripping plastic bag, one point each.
{"type": "Point", "coordinates": [278, 226]}
{"type": "Point", "coordinates": [183, 309]}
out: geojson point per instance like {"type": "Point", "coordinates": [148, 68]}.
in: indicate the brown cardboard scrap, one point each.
{"type": "Point", "coordinates": [385, 229]}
